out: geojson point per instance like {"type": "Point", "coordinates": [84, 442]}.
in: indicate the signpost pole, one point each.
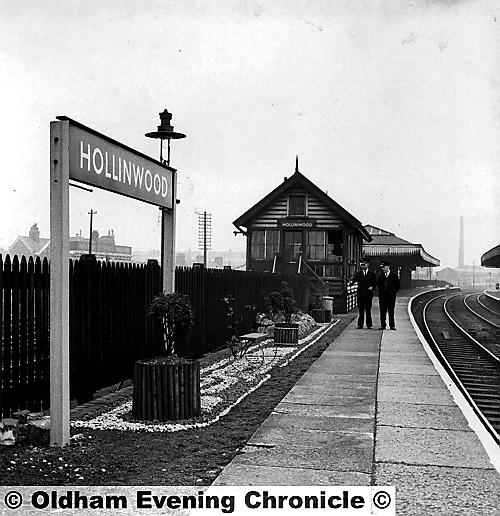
{"type": "Point", "coordinates": [59, 283]}
{"type": "Point", "coordinates": [168, 241]}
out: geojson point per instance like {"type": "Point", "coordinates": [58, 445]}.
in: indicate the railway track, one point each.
{"type": "Point", "coordinates": [490, 305]}
{"type": "Point", "coordinates": [468, 348]}
{"type": "Point", "coordinates": [477, 320]}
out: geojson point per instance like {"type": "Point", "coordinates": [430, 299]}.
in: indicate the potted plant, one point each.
{"type": "Point", "coordinates": [318, 310]}
{"type": "Point", "coordinates": [285, 331]}
{"type": "Point", "coordinates": [167, 388]}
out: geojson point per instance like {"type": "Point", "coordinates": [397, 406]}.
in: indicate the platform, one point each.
{"type": "Point", "coordinates": [493, 293]}
{"type": "Point", "coordinates": [373, 410]}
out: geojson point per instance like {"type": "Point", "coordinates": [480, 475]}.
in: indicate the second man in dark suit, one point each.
{"type": "Point", "coordinates": [388, 286]}
{"type": "Point", "coordinates": [367, 282]}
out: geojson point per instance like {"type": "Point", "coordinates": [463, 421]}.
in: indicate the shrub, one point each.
{"type": "Point", "coordinates": [289, 303]}
{"type": "Point", "coordinates": [174, 313]}
{"type": "Point", "coordinates": [274, 304]}
{"type": "Point", "coordinates": [281, 305]}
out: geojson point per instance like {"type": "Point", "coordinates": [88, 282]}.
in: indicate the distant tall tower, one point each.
{"type": "Point", "coordinates": [461, 245]}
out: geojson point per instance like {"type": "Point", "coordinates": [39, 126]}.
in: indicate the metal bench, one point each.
{"type": "Point", "coordinates": [254, 337]}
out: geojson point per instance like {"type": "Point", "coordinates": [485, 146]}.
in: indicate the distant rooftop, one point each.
{"type": "Point", "coordinates": [387, 246]}
{"type": "Point", "coordinates": [491, 258]}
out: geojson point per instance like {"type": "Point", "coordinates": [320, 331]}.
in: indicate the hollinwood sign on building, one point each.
{"type": "Point", "coordinates": [97, 160]}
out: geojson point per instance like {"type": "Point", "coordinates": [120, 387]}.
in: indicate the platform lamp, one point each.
{"type": "Point", "coordinates": [166, 132]}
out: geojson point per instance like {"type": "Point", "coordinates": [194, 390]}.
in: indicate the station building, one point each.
{"type": "Point", "coordinates": [491, 258]}
{"type": "Point", "coordinates": [404, 256]}
{"type": "Point", "coordinates": [298, 228]}
{"type": "Point", "coordinates": [103, 247]}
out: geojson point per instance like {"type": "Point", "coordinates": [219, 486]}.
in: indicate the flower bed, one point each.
{"type": "Point", "coordinates": [224, 384]}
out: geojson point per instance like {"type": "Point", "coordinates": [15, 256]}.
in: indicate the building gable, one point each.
{"type": "Point", "coordinates": [319, 206]}
{"type": "Point", "coordinates": [20, 247]}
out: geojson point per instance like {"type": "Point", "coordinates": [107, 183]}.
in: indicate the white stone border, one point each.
{"type": "Point", "coordinates": [489, 444]}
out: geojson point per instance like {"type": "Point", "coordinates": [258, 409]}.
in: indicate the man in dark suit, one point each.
{"type": "Point", "coordinates": [388, 286]}
{"type": "Point", "coordinates": [367, 282]}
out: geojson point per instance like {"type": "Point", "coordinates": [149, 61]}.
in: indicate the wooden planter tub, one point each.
{"type": "Point", "coordinates": [166, 390]}
{"type": "Point", "coordinates": [286, 333]}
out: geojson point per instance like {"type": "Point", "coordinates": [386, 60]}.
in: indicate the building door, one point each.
{"type": "Point", "coordinates": [292, 249]}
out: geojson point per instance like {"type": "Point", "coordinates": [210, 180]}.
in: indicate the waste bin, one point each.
{"type": "Point", "coordinates": [328, 303]}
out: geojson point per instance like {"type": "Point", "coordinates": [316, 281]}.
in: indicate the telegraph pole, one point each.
{"type": "Point", "coordinates": [91, 213]}
{"type": "Point", "coordinates": [204, 234]}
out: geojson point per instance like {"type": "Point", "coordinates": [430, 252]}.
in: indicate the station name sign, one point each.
{"type": "Point", "coordinates": [97, 160]}
{"type": "Point", "coordinates": [296, 223]}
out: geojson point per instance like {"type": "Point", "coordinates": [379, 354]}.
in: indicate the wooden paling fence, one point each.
{"type": "Point", "coordinates": [109, 328]}
{"type": "Point", "coordinates": [206, 289]}
{"type": "Point", "coordinates": [24, 331]}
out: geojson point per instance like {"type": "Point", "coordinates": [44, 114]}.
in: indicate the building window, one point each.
{"type": "Point", "coordinates": [258, 244]}
{"type": "Point", "coordinates": [334, 245]}
{"type": "Point", "coordinates": [318, 269]}
{"type": "Point", "coordinates": [265, 244]}
{"type": "Point", "coordinates": [333, 271]}
{"type": "Point", "coordinates": [272, 243]}
{"type": "Point", "coordinates": [293, 244]}
{"type": "Point", "coordinates": [316, 245]}
{"type": "Point", "coordinates": [297, 206]}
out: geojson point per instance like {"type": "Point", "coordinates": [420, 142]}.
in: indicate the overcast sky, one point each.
{"type": "Point", "coordinates": [393, 108]}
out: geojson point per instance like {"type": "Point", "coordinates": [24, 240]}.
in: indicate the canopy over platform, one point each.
{"type": "Point", "coordinates": [400, 253]}
{"type": "Point", "coordinates": [491, 258]}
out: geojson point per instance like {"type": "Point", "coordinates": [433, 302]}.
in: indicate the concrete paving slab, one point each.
{"type": "Point", "coordinates": [407, 415]}
{"type": "Point", "coordinates": [405, 358]}
{"type": "Point", "coordinates": [428, 447]}
{"type": "Point", "coordinates": [353, 453]}
{"type": "Point", "coordinates": [346, 408]}
{"type": "Point", "coordinates": [344, 353]}
{"type": "Point", "coordinates": [405, 352]}
{"type": "Point", "coordinates": [409, 345]}
{"type": "Point", "coordinates": [324, 400]}
{"type": "Point", "coordinates": [408, 369]}
{"type": "Point", "coordinates": [352, 359]}
{"type": "Point", "coordinates": [341, 369]}
{"type": "Point", "coordinates": [318, 378]}
{"type": "Point", "coordinates": [292, 423]}
{"type": "Point", "coordinates": [402, 380]}
{"type": "Point", "coordinates": [357, 345]}
{"type": "Point", "coordinates": [279, 436]}
{"type": "Point", "coordinates": [401, 353]}
{"type": "Point", "coordinates": [441, 491]}
{"type": "Point", "coordinates": [244, 474]}
{"type": "Point", "coordinates": [336, 389]}
{"type": "Point", "coordinates": [418, 395]}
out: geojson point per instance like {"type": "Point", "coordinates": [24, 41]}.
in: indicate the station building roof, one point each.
{"type": "Point", "coordinates": [387, 246]}
{"type": "Point", "coordinates": [298, 179]}
{"type": "Point", "coordinates": [491, 258]}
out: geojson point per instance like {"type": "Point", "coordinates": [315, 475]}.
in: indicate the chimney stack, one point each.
{"type": "Point", "coordinates": [34, 233]}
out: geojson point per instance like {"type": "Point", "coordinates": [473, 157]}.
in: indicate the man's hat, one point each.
{"type": "Point", "coordinates": [364, 260]}
{"type": "Point", "coordinates": [383, 263]}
